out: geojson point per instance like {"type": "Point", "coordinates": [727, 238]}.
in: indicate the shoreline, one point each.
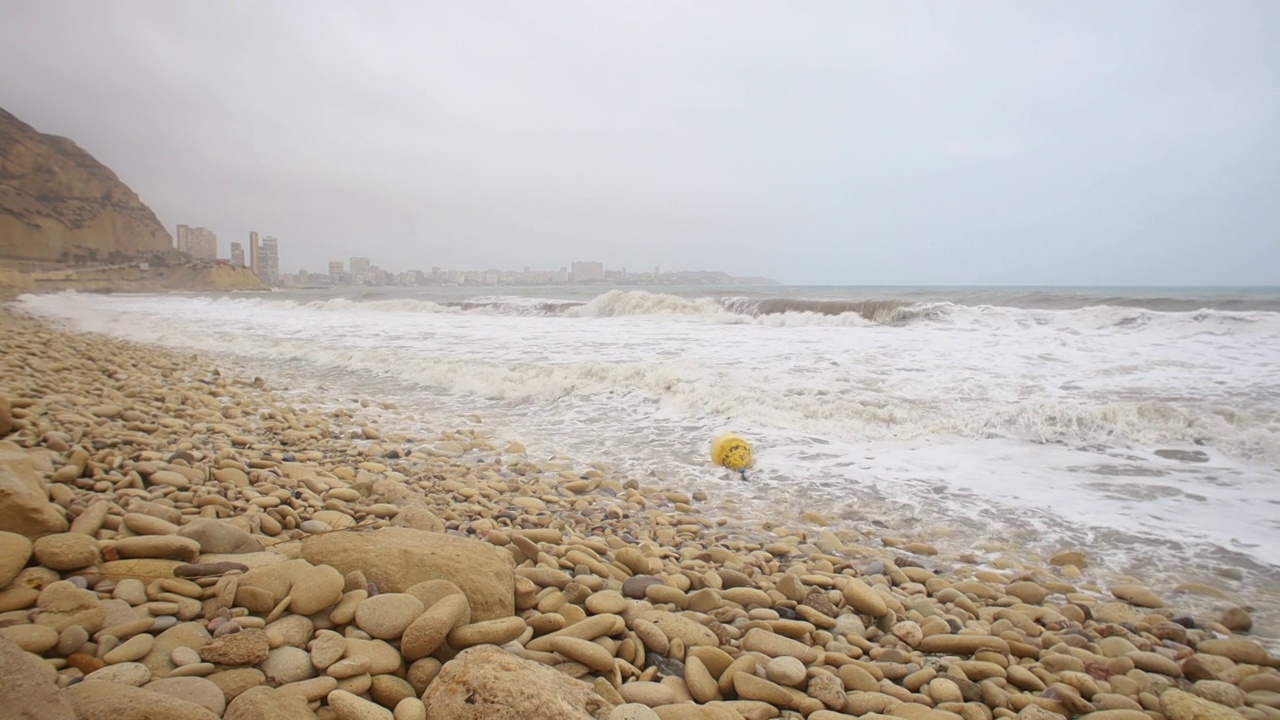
{"type": "Point", "coordinates": [166, 437]}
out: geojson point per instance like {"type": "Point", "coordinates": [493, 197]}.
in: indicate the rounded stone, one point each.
{"type": "Point", "coordinates": [15, 551]}
{"type": "Point", "coordinates": [66, 551]}
{"type": "Point", "coordinates": [315, 589]}
{"type": "Point", "coordinates": [287, 664]}
{"type": "Point", "coordinates": [32, 638]}
{"type": "Point", "coordinates": [126, 673]}
{"type": "Point", "coordinates": [353, 707]}
{"type": "Point", "coordinates": [786, 671]}
{"type": "Point", "coordinates": [192, 689]}
{"type": "Point", "coordinates": [633, 711]}
{"type": "Point", "coordinates": [386, 616]}
{"type": "Point", "coordinates": [410, 708]}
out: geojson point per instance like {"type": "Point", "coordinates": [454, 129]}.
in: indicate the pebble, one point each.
{"type": "Point", "coordinates": [205, 565]}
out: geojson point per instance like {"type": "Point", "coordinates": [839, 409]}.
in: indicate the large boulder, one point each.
{"type": "Point", "coordinates": [24, 502]}
{"type": "Point", "coordinates": [29, 692]}
{"type": "Point", "coordinates": [397, 558]}
{"type": "Point", "coordinates": [488, 683]}
{"type": "Point", "coordinates": [95, 700]}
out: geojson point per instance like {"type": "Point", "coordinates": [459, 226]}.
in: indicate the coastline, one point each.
{"type": "Point", "coordinates": [748, 622]}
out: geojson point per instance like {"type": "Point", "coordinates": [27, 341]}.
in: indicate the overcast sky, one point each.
{"type": "Point", "coordinates": [1026, 143]}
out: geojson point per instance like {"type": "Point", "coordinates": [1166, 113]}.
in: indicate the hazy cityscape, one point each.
{"type": "Point", "coordinates": [263, 258]}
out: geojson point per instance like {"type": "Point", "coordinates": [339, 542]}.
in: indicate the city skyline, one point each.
{"type": "Point", "coordinates": [263, 259]}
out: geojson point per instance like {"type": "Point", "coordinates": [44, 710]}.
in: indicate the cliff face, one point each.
{"type": "Point", "coordinates": [59, 204]}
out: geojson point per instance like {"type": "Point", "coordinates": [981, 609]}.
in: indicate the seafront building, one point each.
{"type": "Point", "coordinates": [269, 260]}
{"type": "Point", "coordinates": [237, 254]}
{"type": "Point", "coordinates": [198, 242]}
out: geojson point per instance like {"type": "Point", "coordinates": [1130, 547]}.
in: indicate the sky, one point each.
{"type": "Point", "coordinates": [842, 143]}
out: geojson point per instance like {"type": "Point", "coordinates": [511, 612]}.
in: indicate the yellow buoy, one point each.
{"type": "Point", "coordinates": [732, 452]}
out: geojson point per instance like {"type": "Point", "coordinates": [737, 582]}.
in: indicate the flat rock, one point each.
{"type": "Point", "coordinates": [487, 683]}
{"type": "Point", "coordinates": [94, 700]}
{"type": "Point", "coordinates": [192, 689]}
{"type": "Point", "coordinates": [190, 635]}
{"type": "Point", "coordinates": [28, 687]}
{"type": "Point", "coordinates": [1179, 705]}
{"type": "Point", "coordinates": [396, 558]}
{"type": "Point", "coordinates": [66, 551]}
{"type": "Point", "coordinates": [24, 502]}
{"type": "Point", "coordinates": [247, 647]}
{"type": "Point", "coordinates": [263, 703]}
{"type": "Point", "coordinates": [215, 536]}
{"type": "Point", "coordinates": [1137, 595]}
{"type": "Point", "coordinates": [386, 616]}
{"type": "Point", "coordinates": [15, 551]}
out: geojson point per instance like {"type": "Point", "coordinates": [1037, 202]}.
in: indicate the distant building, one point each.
{"type": "Point", "coordinates": [335, 271]}
{"type": "Point", "coordinates": [254, 261]}
{"type": "Point", "coordinates": [361, 270]}
{"type": "Point", "coordinates": [237, 254]}
{"type": "Point", "coordinates": [200, 242]}
{"type": "Point", "coordinates": [269, 260]}
{"type": "Point", "coordinates": [180, 238]}
{"type": "Point", "coordinates": [586, 272]}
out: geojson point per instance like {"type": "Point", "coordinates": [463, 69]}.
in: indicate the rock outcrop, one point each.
{"type": "Point", "coordinates": [59, 204]}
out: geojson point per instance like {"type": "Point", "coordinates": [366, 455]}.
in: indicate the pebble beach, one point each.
{"type": "Point", "coordinates": [180, 541]}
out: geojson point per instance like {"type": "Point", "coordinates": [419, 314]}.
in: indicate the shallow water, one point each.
{"type": "Point", "coordinates": [1148, 437]}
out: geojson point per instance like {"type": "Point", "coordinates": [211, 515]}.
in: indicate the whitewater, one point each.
{"type": "Point", "coordinates": [1140, 427]}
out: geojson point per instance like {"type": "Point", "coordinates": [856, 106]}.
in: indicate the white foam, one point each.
{"type": "Point", "coordinates": [1043, 418]}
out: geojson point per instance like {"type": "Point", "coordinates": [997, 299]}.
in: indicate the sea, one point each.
{"type": "Point", "coordinates": [1140, 426]}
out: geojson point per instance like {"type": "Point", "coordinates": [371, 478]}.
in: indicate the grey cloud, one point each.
{"type": "Point", "coordinates": [819, 142]}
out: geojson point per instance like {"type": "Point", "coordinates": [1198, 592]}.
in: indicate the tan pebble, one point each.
{"type": "Point", "coordinates": [315, 590]}
{"type": "Point", "coordinates": [962, 644]}
{"type": "Point", "coordinates": [65, 551]}
{"type": "Point", "coordinates": [344, 613]}
{"type": "Point", "coordinates": [422, 672]}
{"type": "Point", "coordinates": [1245, 651]}
{"type": "Point", "coordinates": [387, 615]}
{"type": "Point", "coordinates": [383, 657]}
{"type": "Point", "coordinates": [1261, 682]}
{"type": "Point", "coordinates": [494, 632]}
{"type": "Point", "coordinates": [785, 670]}
{"type": "Point", "coordinates": [775, 645]}
{"type": "Point", "coordinates": [183, 655]}
{"type": "Point", "coordinates": [200, 669]}
{"type": "Point", "coordinates": [170, 547]}
{"type": "Point", "coordinates": [646, 693]}
{"type": "Point", "coordinates": [1156, 663]}
{"type": "Point", "coordinates": [351, 707]}
{"type": "Point", "coordinates": [349, 667]}
{"type": "Point", "coordinates": [942, 690]}
{"type": "Point", "coordinates": [1135, 713]}
{"type": "Point", "coordinates": [148, 525]}
{"type": "Point", "coordinates": [908, 632]}
{"type": "Point", "coordinates": [1179, 705]}
{"type": "Point", "coordinates": [633, 711]}
{"type": "Point", "coordinates": [357, 684]}
{"type": "Point", "coordinates": [651, 636]}
{"type": "Point", "coordinates": [128, 673]}
{"type": "Point", "coordinates": [751, 687]}
{"type": "Point", "coordinates": [862, 598]}
{"type": "Point", "coordinates": [134, 648]}
{"type": "Point", "coordinates": [585, 652]}
{"type": "Point", "coordinates": [410, 709]}
{"type": "Point", "coordinates": [196, 690]}
{"type": "Point", "coordinates": [606, 601]}
{"type": "Point", "coordinates": [312, 689]}
{"type": "Point", "coordinates": [32, 638]}
{"type": "Point", "coordinates": [426, 633]}
{"type": "Point", "coordinates": [701, 683]}
{"type": "Point", "coordinates": [1137, 595]}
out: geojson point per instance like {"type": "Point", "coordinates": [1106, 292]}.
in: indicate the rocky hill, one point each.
{"type": "Point", "coordinates": [60, 205]}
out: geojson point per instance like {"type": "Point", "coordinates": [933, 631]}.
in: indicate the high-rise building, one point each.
{"type": "Point", "coordinates": [587, 272]}
{"type": "Point", "coordinates": [269, 260]}
{"type": "Point", "coordinates": [197, 242]}
{"type": "Point", "coordinates": [360, 269]}
{"type": "Point", "coordinates": [335, 271]}
{"type": "Point", "coordinates": [237, 254]}
{"type": "Point", "coordinates": [254, 261]}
